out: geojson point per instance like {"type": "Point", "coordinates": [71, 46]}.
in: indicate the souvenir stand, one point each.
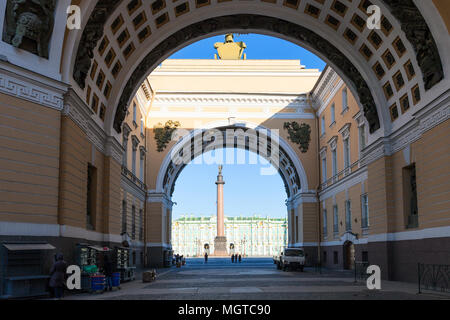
{"type": "Point", "coordinates": [21, 269]}
{"type": "Point", "coordinates": [122, 263]}
{"type": "Point", "coordinates": [89, 258]}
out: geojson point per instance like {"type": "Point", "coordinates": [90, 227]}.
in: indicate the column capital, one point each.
{"type": "Point", "coordinates": [306, 197]}
{"type": "Point", "coordinates": [154, 196]}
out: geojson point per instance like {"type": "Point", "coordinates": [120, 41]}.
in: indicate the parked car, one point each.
{"type": "Point", "coordinates": [276, 258]}
{"type": "Point", "coordinates": [290, 258]}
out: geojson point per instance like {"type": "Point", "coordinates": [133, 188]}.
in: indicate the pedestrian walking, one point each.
{"type": "Point", "coordinates": [206, 257]}
{"type": "Point", "coordinates": [58, 276]}
{"type": "Point", "coordinates": [232, 258]}
{"type": "Point", "coordinates": [240, 258]}
{"type": "Point", "coordinates": [108, 270]}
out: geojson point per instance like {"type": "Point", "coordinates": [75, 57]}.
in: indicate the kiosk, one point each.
{"type": "Point", "coordinates": [21, 269]}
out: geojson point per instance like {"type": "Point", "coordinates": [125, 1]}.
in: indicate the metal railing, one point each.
{"type": "Point", "coordinates": [434, 277]}
{"type": "Point", "coordinates": [360, 268]}
{"type": "Point", "coordinates": [127, 173]}
{"type": "Point", "coordinates": [341, 175]}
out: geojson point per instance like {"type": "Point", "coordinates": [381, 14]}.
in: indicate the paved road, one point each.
{"type": "Point", "coordinates": [255, 278]}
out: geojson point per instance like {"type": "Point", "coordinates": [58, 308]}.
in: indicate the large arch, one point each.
{"type": "Point", "coordinates": [180, 28]}
{"type": "Point", "coordinates": [289, 166]}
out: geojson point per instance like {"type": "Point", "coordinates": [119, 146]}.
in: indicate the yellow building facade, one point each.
{"type": "Point", "coordinates": [72, 147]}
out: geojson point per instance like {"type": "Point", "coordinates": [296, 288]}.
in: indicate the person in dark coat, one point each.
{"type": "Point", "coordinates": [58, 276]}
{"type": "Point", "coordinates": [240, 258]}
{"type": "Point", "coordinates": [206, 257]}
{"type": "Point", "coordinates": [232, 258]}
{"type": "Point", "coordinates": [108, 270]}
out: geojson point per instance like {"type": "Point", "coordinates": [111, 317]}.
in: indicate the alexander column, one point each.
{"type": "Point", "coordinates": [220, 243]}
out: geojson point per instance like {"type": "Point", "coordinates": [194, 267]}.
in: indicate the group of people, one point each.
{"type": "Point", "coordinates": [235, 258]}
{"type": "Point", "coordinates": [179, 259]}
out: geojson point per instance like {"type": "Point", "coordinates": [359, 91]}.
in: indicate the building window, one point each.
{"type": "Point", "coordinates": [125, 153]}
{"type": "Point", "coordinates": [141, 225]}
{"type": "Point", "coordinates": [410, 197]}
{"type": "Point", "coordinates": [365, 211]}
{"type": "Point", "coordinates": [133, 222]}
{"type": "Point", "coordinates": [333, 114]}
{"type": "Point", "coordinates": [142, 126]}
{"type": "Point", "coordinates": [335, 257]}
{"type": "Point", "coordinates": [324, 257]}
{"type": "Point", "coordinates": [133, 164]}
{"type": "Point", "coordinates": [296, 229]}
{"type": "Point", "coordinates": [344, 100]}
{"type": "Point", "coordinates": [325, 223]}
{"type": "Point", "coordinates": [324, 169]}
{"type": "Point", "coordinates": [365, 256]}
{"type": "Point", "coordinates": [348, 216]}
{"type": "Point", "coordinates": [141, 165]}
{"type": "Point", "coordinates": [134, 112]}
{"type": "Point", "coordinates": [124, 216]}
{"type": "Point", "coordinates": [91, 197]}
{"type": "Point", "coordinates": [323, 126]}
{"type": "Point", "coordinates": [334, 160]}
{"type": "Point", "coordinates": [335, 219]}
{"type": "Point", "coordinates": [362, 137]}
{"type": "Point", "coordinates": [346, 153]}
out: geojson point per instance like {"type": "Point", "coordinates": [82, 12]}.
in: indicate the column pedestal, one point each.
{"type": "Point", "coordinates": [220, 247]}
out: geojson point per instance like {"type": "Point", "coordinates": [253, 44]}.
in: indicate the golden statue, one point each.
{"type": "Point", "coordinates": [230, 50]}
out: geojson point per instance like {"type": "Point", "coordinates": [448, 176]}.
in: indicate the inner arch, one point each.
{"type": "Point", "coordinates": [288, 165]}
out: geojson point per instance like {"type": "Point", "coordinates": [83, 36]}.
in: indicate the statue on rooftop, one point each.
{"type": "Point", "coordinates": [230, 50]}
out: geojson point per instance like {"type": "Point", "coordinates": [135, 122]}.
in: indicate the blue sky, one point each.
{"type": "Point", "coordinates": [258, 47]}
{"type": "Point", "coordinates": [246, 191]}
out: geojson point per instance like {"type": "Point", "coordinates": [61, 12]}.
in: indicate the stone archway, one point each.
{"type": "Point", "coordinates": [277, 151]}
{"type": "Point", "coordinates": [294, 21]}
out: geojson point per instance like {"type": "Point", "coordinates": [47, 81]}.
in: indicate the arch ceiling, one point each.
{"type": "Point", "coordinates": [193, 145]}
{"type": "Point", "coordinates": [123, 41]}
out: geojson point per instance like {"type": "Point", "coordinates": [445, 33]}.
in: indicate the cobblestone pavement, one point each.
{"type": "Point", "coordinates": [256, 278]}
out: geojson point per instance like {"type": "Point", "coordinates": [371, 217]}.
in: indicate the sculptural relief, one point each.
{"type": "Point", "coordinates": [29, 25]}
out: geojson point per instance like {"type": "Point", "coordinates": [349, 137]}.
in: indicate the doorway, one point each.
{"type": "Point", "coordinates": [349, 255]}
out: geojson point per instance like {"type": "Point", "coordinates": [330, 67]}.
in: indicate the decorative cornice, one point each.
{"type": "Point", "coordinates": [345, 130]}
{"type": "Point", "coordinates": [333, 142]}
{"type": "Point", "coordinates": [257, 99]}
{"type": "Point", "coordinates": [359, 119]}
{"type": "Point", "coordinates": [424, 120]}
{"type": "Point", "coordinates": [154, 196]}
{"type": "Point", "coordinates": [377, 150]}
{"type": "Point", "coordinates": [77, 110]}
{"type": "Point", "coordinates": [143, 152]}
{"type": "Point", "coordinates": [114, 149]}
{"type": "Point", "coordinates": [27, 85]}
{"type": "Point", "coordinates": [135, 141]}
{"type": "Point", "coordinates": [126, 130]}
{"type": "Point", "coordinates": [325, 84]}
